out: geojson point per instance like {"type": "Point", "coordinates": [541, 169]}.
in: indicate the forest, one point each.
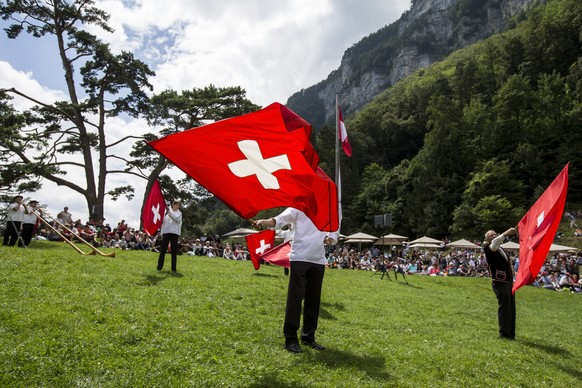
{"type": "Point", "coordinates": [471, 142]}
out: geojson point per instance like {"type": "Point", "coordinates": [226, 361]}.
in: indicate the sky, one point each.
{"type": "Point", "coordinates": [271, 49]}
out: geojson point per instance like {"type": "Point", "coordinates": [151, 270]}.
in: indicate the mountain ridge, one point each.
{"type": "Point", "coordinates": [423, 35]}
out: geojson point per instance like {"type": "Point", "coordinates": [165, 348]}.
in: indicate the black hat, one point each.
{"type": "Point", "coordinates": [17, 196]}
{"type": "Point", "coordinates": [33, 201]}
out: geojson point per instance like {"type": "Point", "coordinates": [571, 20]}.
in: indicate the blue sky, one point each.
{"type": "Point", "coordinates": [271, 49]}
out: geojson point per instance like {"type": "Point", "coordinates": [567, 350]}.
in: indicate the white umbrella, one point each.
{"type": "Point", "coordinates": [510, 246]}
{"type": "Point", "coordinates": [513, 246]}
{"type": "Point", "coordinates": [462, 243]}
{"type": "Point", "coordinates": [424, 245]}
{"type": "Point", "coordinates": [240, 232]}
{"type": "Point", "coordinates": [358, 240]}
{"type": "Point", "coordinates": [426, 240]}
{"type": "Point", "coordinates": [363, 237]}
{"type": "Point", "coordinates": [391, 239]}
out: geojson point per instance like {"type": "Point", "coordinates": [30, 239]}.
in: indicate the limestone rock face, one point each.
{"type": "Point", "coordinates": [426, 33]}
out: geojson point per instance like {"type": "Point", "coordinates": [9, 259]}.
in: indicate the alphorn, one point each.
{"type": "Point", "coordinates": [93, 251]}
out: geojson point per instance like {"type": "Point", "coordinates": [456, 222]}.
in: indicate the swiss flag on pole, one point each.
{"type": "Point", "coordinates": [538, 228]}
{"type": "Point", "coordinates": [279, 255]}
{"type": "Point", "coordinates": [343, 134]}
{"type": "Point", "coordinates": [257, 161]}
{"type": "Point", "coordinates": [153, 210]}
{"type": "Point", "coordinates": [258, 244]}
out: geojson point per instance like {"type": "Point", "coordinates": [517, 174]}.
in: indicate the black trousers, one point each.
{"type": "Point", "coordinates": [305, 282]}
{"type": "Point", "coordinates": [11, 232]}
{"type": "Point", "coordinates": [506, 309]}
{"type": "Point", "coordinates": [172, 239]}
{"type": "Point", "coordinates": [27, 232]}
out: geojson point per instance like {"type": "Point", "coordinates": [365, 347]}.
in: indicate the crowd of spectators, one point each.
{"type": "Point", "coordinates": [560, 272]}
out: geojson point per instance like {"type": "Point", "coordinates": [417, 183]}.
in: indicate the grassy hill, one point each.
{"type": "Point", "coordinates": [92, 321]}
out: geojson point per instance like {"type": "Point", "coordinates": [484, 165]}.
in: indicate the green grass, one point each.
{"type": "Point", "coordinates": [91, 321]}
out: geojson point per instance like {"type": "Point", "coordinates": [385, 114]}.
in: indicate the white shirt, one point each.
{"type": "Point", "coordinates": [307, 239]}
{"type": "Point", "coordinates": [172, 222]}
{"type": "Point", "coordinates": [16, 212]}
{"type": "Point", "coordinates": [30, 218]}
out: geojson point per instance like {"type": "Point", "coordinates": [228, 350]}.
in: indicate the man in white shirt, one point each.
{"type": "Point", "coordinates": [307, 261]}
{"type": "Point", "coordinates": [13, 221]}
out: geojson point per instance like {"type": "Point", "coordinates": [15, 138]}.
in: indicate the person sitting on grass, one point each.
{"type": "Point", "coordinates": [434, 270]}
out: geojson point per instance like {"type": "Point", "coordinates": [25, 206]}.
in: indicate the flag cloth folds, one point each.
{"type": "Point", "coordinates": [343, 134]}
{"type": "Point", "coordinates": [152, 214]}
{"type": "Point", "coordinates": [538, 228]}
{"type": "Point", "coordinates": [279, 255]}
{"type": "Point", "coordinates": [257, 161]}
{"type": "Point", "coordinates": [259, 243]}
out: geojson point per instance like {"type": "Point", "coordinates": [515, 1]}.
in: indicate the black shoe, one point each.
{"type": "Point", "coordinates": [293, 348]}
{"type": "Point", "coordinates": [314, 345]}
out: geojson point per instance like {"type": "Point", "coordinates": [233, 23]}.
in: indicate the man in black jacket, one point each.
{"type": "Point", "coordinates": [501, 272]}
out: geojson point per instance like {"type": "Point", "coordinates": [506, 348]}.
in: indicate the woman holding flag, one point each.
{"type": "Point", "coordinates": [171, 229]}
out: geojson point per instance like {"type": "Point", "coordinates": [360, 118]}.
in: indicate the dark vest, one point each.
{"type": "Point", "coordinates": [499, 267]}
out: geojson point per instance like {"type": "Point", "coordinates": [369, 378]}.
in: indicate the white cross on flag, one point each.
{"type": "Point", "coordinates": [257, 161]}
{"type": "Point", "coordinates": [153, 210]}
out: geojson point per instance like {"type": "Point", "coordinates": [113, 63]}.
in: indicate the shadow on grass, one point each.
{"type": "Point", "coordinates": [152, 280]}
{"type": "Point", "coordinates": [373, 366]}
{"type": "Point", "coordinates": [337, 359]}
{"type": "Point", "coordinates": [265, 275]}
{"type": "Point", "coordinates": [410, 285]}
{"type": "Point", "coordinates": [547, 348]}
{"type": "Point", "coordinates": [324, 313]}
{"type": "Point", "coordinates": [571, 371]}
{"type": "Point", "coordinates": [557, 351]}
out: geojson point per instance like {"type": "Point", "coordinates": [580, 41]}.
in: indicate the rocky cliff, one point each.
{"type": "Point", "coordinates": [426, 33]}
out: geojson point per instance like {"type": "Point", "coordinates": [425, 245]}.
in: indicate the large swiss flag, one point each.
{"type": "Point", "coordinates": [537, 229]}
{"type": "Point", "coordinates": [257, 161]}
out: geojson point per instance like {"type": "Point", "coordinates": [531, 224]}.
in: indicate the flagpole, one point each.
{"type": "Point", "coordinates": [337, 145]}
{"type": "Point", "coordinates": [338, 183]}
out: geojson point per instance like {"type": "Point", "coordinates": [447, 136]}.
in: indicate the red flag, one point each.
{"type": "Point", "coordinates": [258, 244]}
{"type": "Point", "coordinates": [257, 161]}
{"type": "Point", "coordinates": [343, 134]}
{"type": "Point", "coordinates": [153, 210]}
{"type": "Point", "coordinates": [538, 228]}
{"type": "Point", "coordinates": [279, 255]}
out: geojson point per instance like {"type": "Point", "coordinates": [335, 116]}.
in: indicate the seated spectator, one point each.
{"type": "Point", "coordinates": [228, 253]}
{"type": "Point", "coordinates": [240, 253]}
{"type": "Point", "coordinates": [198, 248]}
{"type": "Point", "coordinates": [87, 234]}
{"type": "Point", "coordinates": [434, 270]}
{"type": "Point", "coordinates": [575, 284]}
{"type": "Point", "coordinates": [463, 270]}
{"type": "Point", "coordinates": [554, 281]}
{"type": "Point", "coordinates": [412, 268]}
{"type": "Point", "coordinates": [143, 241]}
{"type": "Point", "coordinates": [208, 249]}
